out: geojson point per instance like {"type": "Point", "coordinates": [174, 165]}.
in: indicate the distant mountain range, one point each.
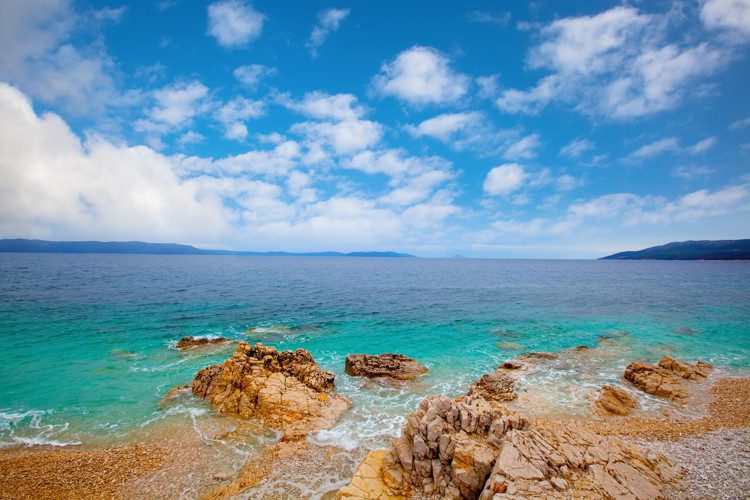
{"type": "Point", "coordinates": [139, 247]}
{"type": "Point", "coordinates": [691, 250]}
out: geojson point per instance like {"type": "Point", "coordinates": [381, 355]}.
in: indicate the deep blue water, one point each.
{"type": "Point", "coordinates": [87, 339]}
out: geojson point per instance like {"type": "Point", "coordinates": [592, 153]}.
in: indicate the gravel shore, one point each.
{"type": "Point", "coordinates": [717, 464]}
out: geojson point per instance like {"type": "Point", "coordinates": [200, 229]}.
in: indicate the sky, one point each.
{"type": "Point", "coordinates": [485, 129]}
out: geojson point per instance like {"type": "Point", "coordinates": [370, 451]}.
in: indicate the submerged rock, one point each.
{"type": "Point", "coordinates": [283, 389]}
{"type": "Point", "coordinates": [615, 401]}
{"type": "Point", "coordinates": [698, 371]}
{"type": "Point", "coordinates": [394, 366]}
{"type": "Point", "coordinates": [654, 379]}
{"type": "Point", "coordinates": [537, 356]}
{"type": "Point", "coordinates": [188, 342]}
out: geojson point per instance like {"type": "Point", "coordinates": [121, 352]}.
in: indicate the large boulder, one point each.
{"type": "Point", "coordinates": [614, 401]}
{"type": "Point", "coordinates": [656, 380]}
{"type": "Point", "coordinates": [698, 371]}
{"type": "Point", "coordinates": [283, 389]}
{"type": "Point", "coordinates": [395, 366]}
{"type": "Point", "coordinates": [189, 342]}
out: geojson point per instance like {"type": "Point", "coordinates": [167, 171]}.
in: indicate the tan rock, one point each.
{"type": "Point", "coordinates": [698, 371]}
{"type": "Point", "coordinates": [395, 366]}
{"type": "Point", "coordinates": [495, 387]}
{"type": "Point", "coordinates": [615, 401]}
{"type": "Point", "coordinates": [285, 390]}
{"type": "Point", "coordinates": [190, 342]}
{"type": "Point", "coordinates": [368, 482]}
{"type": "Point", "coordinates": [654, 379]}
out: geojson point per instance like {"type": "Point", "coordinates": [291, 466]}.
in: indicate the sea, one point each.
{"type": "Point", "coordinates": [88, 341]}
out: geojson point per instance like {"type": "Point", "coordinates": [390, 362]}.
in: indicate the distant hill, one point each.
{"type": "Point", "coordinates": [691, 250]}
{"type": "Point", "coordinates": [140, 247]}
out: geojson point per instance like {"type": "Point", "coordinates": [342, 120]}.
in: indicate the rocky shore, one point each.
{"type": "Point", "coordinates": [473, 446]}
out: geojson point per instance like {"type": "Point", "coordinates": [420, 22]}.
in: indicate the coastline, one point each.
{"type": "Point", "coordinates": [141, 468]}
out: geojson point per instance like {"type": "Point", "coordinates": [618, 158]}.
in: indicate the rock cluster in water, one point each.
{"type": "Point", "coordinates": [664, 379]}
{"type": "Point", "coordinates": [394, 366]}
{"type": "Point", "coordinates": [187, 342]}
{"type": "Point", "coordinates": [283, 389]}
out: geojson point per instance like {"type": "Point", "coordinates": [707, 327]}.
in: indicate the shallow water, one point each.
{"type": "Point", "coordinates": [88, 339]}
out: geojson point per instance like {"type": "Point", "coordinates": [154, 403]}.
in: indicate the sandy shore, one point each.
{"type": "Point", "coordinates": [713, 449]}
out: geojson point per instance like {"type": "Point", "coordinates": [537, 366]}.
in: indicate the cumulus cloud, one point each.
{"type": "Point", "coordinates": [504, 179]}
{"type": "Point", "coordinates": [731, 15]}
{"type": "Point", "coordinates": [234, 23]}
{"type": "Point", "coordinates": [37, 55]}
{"type": "Point", "coordinates": [252, 74]}
{"type": "Point", "coordinates": [329, 20]}
{"type": "Point", "coordinates": [523, 149]}
{"type": "Point", "coordinates": [442, 127]}
{"type": "Point", "coordinates": [613, 64]}
{"type": "Point", "coordinates": [174, 107]}
{"type": "Point", "coordinates": [421, 75]}
{"type": "Point", "coordinates": [322, 106]}
{"type": "Point", "coordinates": [234, 113]}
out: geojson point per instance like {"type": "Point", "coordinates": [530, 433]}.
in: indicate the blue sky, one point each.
{"type": "Point", "coordinates": [496, 128]}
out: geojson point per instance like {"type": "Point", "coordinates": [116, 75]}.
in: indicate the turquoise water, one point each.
{"type": "Point", "coordinates": [88, 339]}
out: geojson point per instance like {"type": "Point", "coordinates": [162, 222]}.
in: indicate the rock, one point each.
{"type": "Point", "coordinates": [188, 342]}
{"type": "Point", "coordinates": [513, 364]}
{"type": "Point", "coordinates": [511, 346]}
{"type": "Point", "coordinates": [367, 481]}
{"type": "Point", "coordinates": [615, 401]}
{"type": "Point", "coordinates": [466, 448]}
{"type": "Point", "coordinates": [285, 390]}
{"type": "Point", "coordinates": [581, 348]}
{"type": "Point", "coordinates": [698, 371]}
{"type": "Point", "coordinates": [173, 395]}
{"type": "Point", "coordinates": [654, 379]}
{"type": "Point", "coordinates": [221, 476]}
{"type": "Point", "coordinates": [495, 387]}
{"type": "Point", "coordinates": [537, 356]}
{"type": "Point", "coordinates": [395, 366]}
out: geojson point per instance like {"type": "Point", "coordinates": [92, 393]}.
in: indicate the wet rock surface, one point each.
{"type": "Point", "coordinates": [654, 379]}
{"type": "Point", "coordinates": [394, 366]}
{"type": "Point", "coordinates": [614, 401]}
{"type": "Point", "coordinates": [189, 342]}
{"type": "Point", "coordinates": [495, 387]}
{"type": "Point", "coordinates": [697, 371]}
{"type": "Point", "coordinates": [283, 389]}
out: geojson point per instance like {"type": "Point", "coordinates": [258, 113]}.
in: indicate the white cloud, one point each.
{"type": "Point", "coordinates": [690, 172]}
{"type": "Point", "coordinates": [323, 106]}
{"type": "Point", "coordinates": [655, 148]}
{"type": "Point", "coordinates": [504, 179]}
{"type": "Point", "coordinates": [523, 149]}
{"type": "Point", "coordinates": [671, 145]}
{"type": "Point", "coordinates": [252, 74]}
{"type": "Point", "coordinates": [174, 108]}
{"type": "Point", "coordinates": [328, 20]}
{"type": "Point", "coordinates": [421, 75]}
{"type": "Point", "coordinates": [36, 55]}
{"type": "Point", "coordinates": [732, 15]}
{"type": "Point", "coordinates": [442, 127]}
{"type": "Point", "coordinates": [56, 187]}
{"type": "Point", "coordinates": [702, 146]}
{"type": "Point", "coordinates": [344, 137]}
{"type": "Point", "coordinates": [587, 44]}
{"type": "Point", "coordinates": [739, 124]}
{"type": "Point", "coordinates": [234, 23]}
{"type": "Point", "coordinates": [191, 137]}
{"type": "Point", "coordinates": [479, 16]}
{"type": "Point", "coordinates": [234, 113]}
{"type": "Point", "coordinates": [576, 148]}
{"type": "Point", "coordinates": [614, 64]}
